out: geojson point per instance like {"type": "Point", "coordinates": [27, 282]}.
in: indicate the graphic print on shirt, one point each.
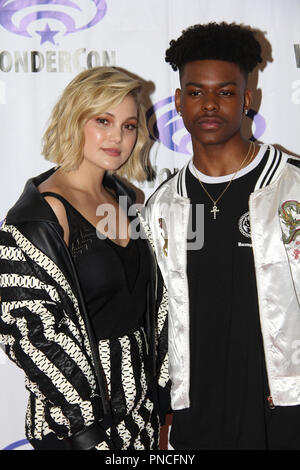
{"type": "Point", "coordinates": [244, 225]}
{"type": "Point", "coordinates": [245, 229]}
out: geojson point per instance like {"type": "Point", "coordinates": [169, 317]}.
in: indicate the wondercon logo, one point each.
{"type": "Point", "coordinates": [46, 19]}
{"type": "Point", "coordinates": [166, 126]}
{"type": "Point", "coordinates": [23, 444]}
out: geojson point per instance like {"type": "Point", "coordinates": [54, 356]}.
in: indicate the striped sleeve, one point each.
{"type": "Point", "coordinates": [41, 328]}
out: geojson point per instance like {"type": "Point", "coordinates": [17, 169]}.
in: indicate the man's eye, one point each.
{"type": "Point", "coordinates": [226, 93]}
{"type": "Point", "coordinates": [196, 93]}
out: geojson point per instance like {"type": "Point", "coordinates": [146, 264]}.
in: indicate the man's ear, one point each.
{"type": "Point", "coordinates": [247, 98]}
{"type": "Point", "coordinates": [178, 100]}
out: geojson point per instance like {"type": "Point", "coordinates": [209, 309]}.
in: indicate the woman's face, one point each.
{"type": "Point", "coordinates": [111, 136]}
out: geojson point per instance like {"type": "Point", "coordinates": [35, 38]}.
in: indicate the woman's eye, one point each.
{"type": "Point", "coordinates": [102, 121]}
{"type": "Point", "coordinates": [131, 127]}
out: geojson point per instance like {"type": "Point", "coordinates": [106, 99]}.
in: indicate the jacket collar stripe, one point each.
{"type": "Point", "coordinates": [275, 163]}
{"type": "Point", "coordinates": [276, 160]}
{"type": "Point", "coordinates": [178, 191]}
{"type": "Point", "coordinates": [276, 167]}
{"type": "Point", "coordinates": [268, 169]}
{"type": "Point", "coordinates": [181, 183]}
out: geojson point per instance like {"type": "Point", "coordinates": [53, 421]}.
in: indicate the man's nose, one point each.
{"type": "Point", "coordinates": [209, 102]}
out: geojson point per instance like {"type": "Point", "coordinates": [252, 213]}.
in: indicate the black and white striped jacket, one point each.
{"type": "Point", "coordinates": [46, 329]}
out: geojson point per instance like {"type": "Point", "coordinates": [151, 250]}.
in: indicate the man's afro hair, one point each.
{"type": "Point", "coordinates": [228, 42]}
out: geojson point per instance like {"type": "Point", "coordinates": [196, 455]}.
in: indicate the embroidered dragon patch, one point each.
{"type": "Point", "coordinates": [164, 234]}
{"type": "Point", "coordinates": [289, 213]}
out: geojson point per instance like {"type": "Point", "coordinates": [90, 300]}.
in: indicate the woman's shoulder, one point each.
{"type": "Point", "coordinates": [53, 184]}
{"type": "Point", "coordinates": [54, 194]}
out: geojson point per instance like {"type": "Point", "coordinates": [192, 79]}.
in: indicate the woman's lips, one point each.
{"type": "Point", "coordinates": [112, 152]}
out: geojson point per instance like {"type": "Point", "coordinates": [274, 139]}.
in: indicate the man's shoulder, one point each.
{"type": "Point", "coordinates": [287, 157]}
{"type": "Point", "coordinates": [295, 162]}
{"type": "Point", "coordinates": [292, 173]}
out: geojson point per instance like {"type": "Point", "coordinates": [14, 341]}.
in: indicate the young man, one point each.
{"type": "Point", "coordinates": [232, 270]}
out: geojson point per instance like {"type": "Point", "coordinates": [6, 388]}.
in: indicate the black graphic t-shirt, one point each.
{"type": "Point", "coordinates": [228, 385]}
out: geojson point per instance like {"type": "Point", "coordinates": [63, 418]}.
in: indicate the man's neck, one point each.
{"type": "Point", "coordinates": [222, 159]}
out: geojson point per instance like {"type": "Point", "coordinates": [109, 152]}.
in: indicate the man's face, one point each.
{"type": "Point", "coordinates": [212, 99]}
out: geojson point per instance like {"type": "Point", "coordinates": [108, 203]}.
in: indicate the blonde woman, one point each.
{"type": "Point", "coordinates": [77, 274]}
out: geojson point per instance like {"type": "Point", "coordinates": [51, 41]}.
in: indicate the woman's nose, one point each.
{"type": "Point", "coordinates": [115, 134]}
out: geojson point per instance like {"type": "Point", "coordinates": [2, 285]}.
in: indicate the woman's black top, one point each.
{"type": "Point", "coordinates": [113, 278]}
{"type": "Point", "coordinates": [114, 282]}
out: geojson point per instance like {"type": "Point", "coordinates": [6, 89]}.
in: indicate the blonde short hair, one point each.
{"type": "Point", "coordinates": [92, 92]}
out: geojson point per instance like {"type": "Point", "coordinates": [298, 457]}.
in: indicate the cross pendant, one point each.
{"type": "Point", "coordinates": [215, 210]}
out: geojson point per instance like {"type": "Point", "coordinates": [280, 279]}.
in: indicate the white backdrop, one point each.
{"type": "Point", "coordinates": [44, 44]}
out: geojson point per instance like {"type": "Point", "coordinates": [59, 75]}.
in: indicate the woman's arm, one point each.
{"type": "Point", "coordinates": [40, 325]}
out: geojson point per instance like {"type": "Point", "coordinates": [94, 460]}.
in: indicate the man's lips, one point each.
{"type": "Point", "coordinates": [113, 152]}
{"type": "Point", "coordinates": [210, 123]}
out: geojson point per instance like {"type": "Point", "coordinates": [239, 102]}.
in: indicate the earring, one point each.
{"type": "Point", "coordinates": [246, 111]}
{"type": "Point", "coordinates": [179, 112]}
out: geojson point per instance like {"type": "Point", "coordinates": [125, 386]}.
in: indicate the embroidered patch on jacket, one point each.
{"type": "Point", "coordinates": [164, 234]}
{"type": "Point", "coordinates": [297, 251]}
{"type": "Point", "coordinates": [290, 221]}
{"type": "Point", "coordinates": [244, 225]}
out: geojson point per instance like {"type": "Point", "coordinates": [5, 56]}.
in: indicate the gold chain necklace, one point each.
{"type": "Point", "coordinates": [214, 201]}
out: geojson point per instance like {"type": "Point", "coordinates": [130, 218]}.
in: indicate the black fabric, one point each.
{"type": "Point", "coordinates": [117, 304]}
{"type": "Point", "coordinates": [49, 442]}
{"type": "Point", "coordinates": [228, 385]}
{"type": "Point", "coordinates": [38, 225]}
{"type": "Point", "coordinates": [295, 162]}
{"type": "Point", "coordinates": [88, 438]}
